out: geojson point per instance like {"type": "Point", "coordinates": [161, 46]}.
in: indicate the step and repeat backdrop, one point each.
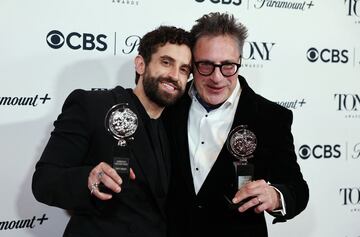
{"type": "Point", "coordinates": [304, 55]}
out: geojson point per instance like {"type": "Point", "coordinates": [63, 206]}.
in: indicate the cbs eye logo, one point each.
{"type": "Point", "coordinates": [312, 55]}
{"type": "Point", "coordinates": [55, 39]}
{"type": "Point", "coordinates": [74, 40]}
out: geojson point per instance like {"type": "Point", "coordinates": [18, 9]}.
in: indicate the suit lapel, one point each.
{"type": "Point", "coordinates": [142, 151]}
{"type": "Point", "coordinates": [164, 164]}
{"type": "Point", "coordinates": [246, 110]}
{"type": "Point", "coordinates": [181, 137]}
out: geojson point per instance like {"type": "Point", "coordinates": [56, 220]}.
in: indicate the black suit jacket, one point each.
{"type": "Point", "coordinates": [78, 143]}
{"type": "Point", "coordinates": [207, 213]}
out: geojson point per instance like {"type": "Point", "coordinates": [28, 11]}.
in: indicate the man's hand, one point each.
{"type": "Point", "coordinates": [104, 173]}
{"type": "Point", "coordinates": [261, 195]}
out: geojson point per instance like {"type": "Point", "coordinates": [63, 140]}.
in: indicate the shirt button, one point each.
{"type": "Point", "coordinates": [202, 142]}
{"type": "Point", "coordinates": [206, 115]}
{"type": "Point", "coordinates": [197, 169]}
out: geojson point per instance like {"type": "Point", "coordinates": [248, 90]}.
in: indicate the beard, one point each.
{"type": "Point", "coordinates": [160, 97]}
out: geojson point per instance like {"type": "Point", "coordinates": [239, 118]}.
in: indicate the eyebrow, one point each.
{"type": "Point", "coordinates": [173, 60]}
{"type": "Point", "coordinates": [209, 61]}
{"type": "Point", "coordinates": [168, 58]}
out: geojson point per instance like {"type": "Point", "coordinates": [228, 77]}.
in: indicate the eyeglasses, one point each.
{"type": "Point", "coordinates": [206, 68]}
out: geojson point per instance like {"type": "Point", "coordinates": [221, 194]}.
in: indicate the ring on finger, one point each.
{"type": "Point", "coordinates": [100, 175]}
{"type": "Point", "coordinates": [259, 201]}
{"type": "Point", "coordinates": [94, 187]}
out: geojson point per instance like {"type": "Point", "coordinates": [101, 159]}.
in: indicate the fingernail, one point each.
{"type": "Point", "coordinates": [234, 200]}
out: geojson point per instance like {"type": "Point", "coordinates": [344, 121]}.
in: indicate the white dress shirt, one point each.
{"type": "Point", "coordinates": [207, 133]}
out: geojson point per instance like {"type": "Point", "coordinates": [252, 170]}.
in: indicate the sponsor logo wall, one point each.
{"type": "Point", "coordinates": [303, 55]}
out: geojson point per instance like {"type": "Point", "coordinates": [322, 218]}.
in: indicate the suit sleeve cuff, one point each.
{"type": "Point", "coordinates": [281, 211]}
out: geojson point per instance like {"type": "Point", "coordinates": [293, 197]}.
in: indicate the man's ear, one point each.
{"type": "Point", "coordinates": [139, 64]}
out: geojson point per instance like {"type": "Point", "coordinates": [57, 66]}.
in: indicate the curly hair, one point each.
{"type": "Point", "coordinates": [216, 23]}
{"type": "Point", "coordinates": [152, 40]}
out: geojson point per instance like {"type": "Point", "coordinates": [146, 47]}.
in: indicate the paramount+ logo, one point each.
{"type": "Point", "coordinates": [22, 224]}
{"type": "Point", "coordinates": [328, 55]}
{"type": "Point", "coordinates": [76, 41]}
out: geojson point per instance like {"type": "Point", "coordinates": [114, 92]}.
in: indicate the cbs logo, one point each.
{"type": "Point", "coordinates": [328, 55]}
{"type": "Point", "coordinates": [227, 2]}
{"type": "Point", "coordinates": [320, 151]}
{"type": "Point", "coordinates": [74, 40]}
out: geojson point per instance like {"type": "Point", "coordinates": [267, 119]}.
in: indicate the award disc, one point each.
{"type": "Point", "coordinates": [121, 122]}
{"type": "Point", "coordinates": [241, 143]}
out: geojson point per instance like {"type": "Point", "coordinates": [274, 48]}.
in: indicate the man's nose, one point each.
{"type": "Point", "coordinates": [216, 76]}
{"type": "Point", "coordinates": [174, 73]}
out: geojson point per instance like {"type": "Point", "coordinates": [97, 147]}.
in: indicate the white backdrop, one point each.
{"type": "Point", "coordinates": [304, 55]}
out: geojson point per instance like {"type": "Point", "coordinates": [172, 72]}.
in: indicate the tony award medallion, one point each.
{"type": "Point", "coordinates": [241, 143]}
{"type": "Point", "coordinates": [122, 123]}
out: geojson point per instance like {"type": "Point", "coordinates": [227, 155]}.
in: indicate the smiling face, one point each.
{"type": "Point", "coordinates": [164, 78]}
{"type": "Point", "coordinates": [215, 88]}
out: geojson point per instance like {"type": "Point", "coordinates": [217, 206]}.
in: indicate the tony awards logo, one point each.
{"type": "Point", "coordinates": [122, 123]}
{"type": "Point", "coordinates": [242, 143]}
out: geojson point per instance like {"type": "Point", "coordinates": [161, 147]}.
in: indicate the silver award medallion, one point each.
{"type": "Point", "coordinates": [242, 143]}
{"type": "Point", "coordinates": [121, 122]}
